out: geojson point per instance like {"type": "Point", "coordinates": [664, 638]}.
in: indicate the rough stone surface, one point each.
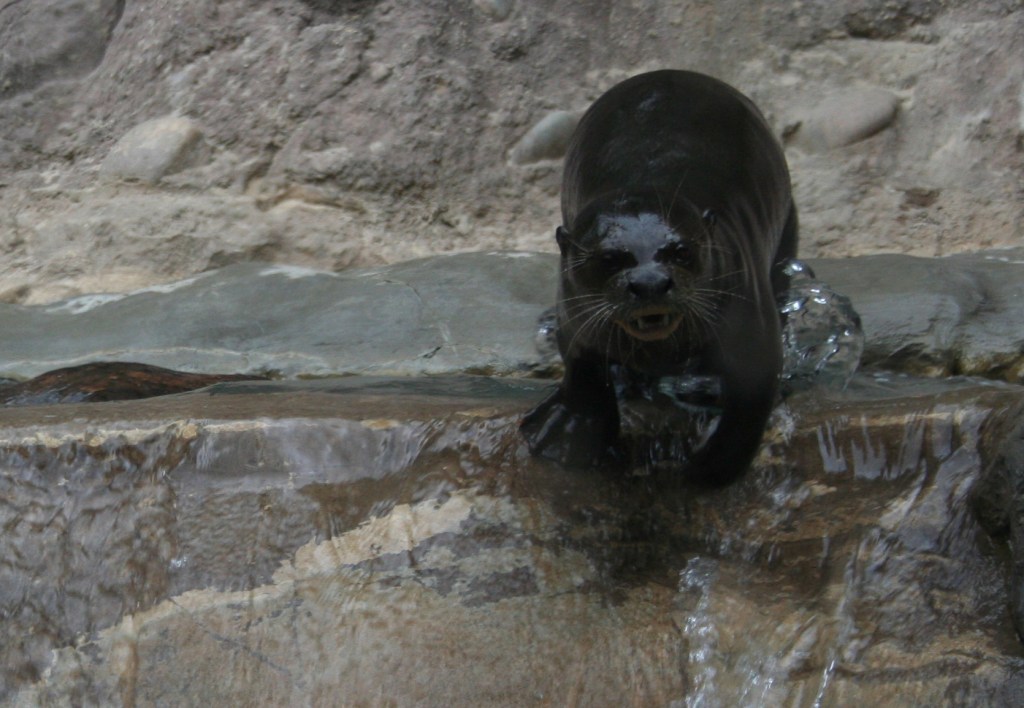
{"type": "Point", "coordinates": [497, 9]}
{"type": "Point", "coordinates": [392, 542]}
{"type": "Point", "coordinates": [387, 148]}
{"type": "Point", "coordinates": [48, 40]}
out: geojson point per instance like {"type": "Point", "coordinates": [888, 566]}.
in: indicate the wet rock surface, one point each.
{"type": "Point", "coordinates": [938, 316]}
{"type": "Point", "coordinates": [475, 313]}
{"type": "Point", "coordinates": [998, 498]}
{"type": "Point", "coordinates": [478, 313]}
{"type": "Point", "coordinates": [391, 540]}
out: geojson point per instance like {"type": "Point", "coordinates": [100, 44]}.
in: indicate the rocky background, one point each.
{"type": "Point", "coordinates": [143, 142]}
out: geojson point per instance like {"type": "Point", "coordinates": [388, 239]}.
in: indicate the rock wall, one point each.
{"type": "Point", "coordinates": [142, 142]}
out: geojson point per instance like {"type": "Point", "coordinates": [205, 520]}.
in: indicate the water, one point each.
{"type": "Point", "coordinates": [822, 338]}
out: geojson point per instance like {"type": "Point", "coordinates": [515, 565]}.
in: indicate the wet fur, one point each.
{"type": "Point", "coordinates": [675, 199]}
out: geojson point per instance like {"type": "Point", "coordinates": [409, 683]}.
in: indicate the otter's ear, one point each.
{"type": "Point", "coordinates": [562, 237]}
{"type": "Point", "coordinates": [709, 218]}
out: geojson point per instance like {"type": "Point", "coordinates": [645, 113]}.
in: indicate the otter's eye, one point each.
{"type": "Point", "coordinates": [613, 260]}
{"type": "Point", "coordinates": [677, 253]}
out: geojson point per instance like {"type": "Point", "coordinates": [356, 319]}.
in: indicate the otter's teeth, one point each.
{"type": "Point", "coordinates": [650, 322]}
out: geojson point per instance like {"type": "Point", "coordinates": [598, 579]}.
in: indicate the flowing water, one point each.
{"type": "Point", "coordinates": [391, 542]}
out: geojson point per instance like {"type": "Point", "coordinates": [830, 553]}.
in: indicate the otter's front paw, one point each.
{"type": "Point", "coordinates": [570, 437]}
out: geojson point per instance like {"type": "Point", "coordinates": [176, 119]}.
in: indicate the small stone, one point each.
{"type": "Point", "coordinates": [379, 72]}
{"type": "Point", "coordinates": [547, 140]}
{"type": "Point", "coordinates": [154, 149]}
{"type": "Point", "coordinates": [844, 119]}
{"type": "Point", "coordinates": [496, 9]}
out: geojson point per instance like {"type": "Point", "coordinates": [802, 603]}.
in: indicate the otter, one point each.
{"type": "Point", "coordinates": [677, 221]}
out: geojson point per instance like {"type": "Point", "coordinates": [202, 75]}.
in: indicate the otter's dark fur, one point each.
{"type": "Point", "coordinates": [677, 216]}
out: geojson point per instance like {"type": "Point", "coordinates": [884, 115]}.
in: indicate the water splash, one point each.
{"type": "Point", "coordinates": [822, 338]}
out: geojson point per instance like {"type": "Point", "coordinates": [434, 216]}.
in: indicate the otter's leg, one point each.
{"type": "Point", "coordinates": [749, 360]}
{"type": "Point", "coordinates": [735, 442]}
{"type": "Point", "coordinates": [579, 423]}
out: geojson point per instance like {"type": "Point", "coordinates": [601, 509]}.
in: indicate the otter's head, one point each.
{"type": "Point", "coordinates": [631, 278]}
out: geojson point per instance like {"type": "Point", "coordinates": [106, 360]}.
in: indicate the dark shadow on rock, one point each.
{"type": "Point", "coordinates": [339, 7]}
{"type": "Point", "coordinates": [998, 498]}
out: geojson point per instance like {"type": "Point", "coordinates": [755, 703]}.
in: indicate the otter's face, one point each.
{"type": "Point", "coordinates": [634, 276]}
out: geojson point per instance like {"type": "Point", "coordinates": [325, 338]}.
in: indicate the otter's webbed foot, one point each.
{"type": "Point", "coordinates": [568, 435]}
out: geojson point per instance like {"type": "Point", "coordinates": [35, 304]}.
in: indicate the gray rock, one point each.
{"type": "Point", "coordinates": [815, 22]}
{"type": "Point", "coordinates": [844, 119]}
{"type": "Point", "coordinates": [290, 545]}
{"type": "Point", "coordinates": [132, 237]}
{"type": "Point", "coordinates": [938, 316]}
{"type": "Point", "coordinates": [154, 149]}
{"type": "Point", "coordinates": [546, 140]}
{"type": "Point", "coordinates": [471, 312]}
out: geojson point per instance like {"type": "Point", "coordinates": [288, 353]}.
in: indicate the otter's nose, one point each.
{"type": "Point", "coordinates": [647, 282]}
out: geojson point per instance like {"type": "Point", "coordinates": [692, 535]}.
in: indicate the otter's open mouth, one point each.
{"type": "Point", "coordinates": [651, 323]}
